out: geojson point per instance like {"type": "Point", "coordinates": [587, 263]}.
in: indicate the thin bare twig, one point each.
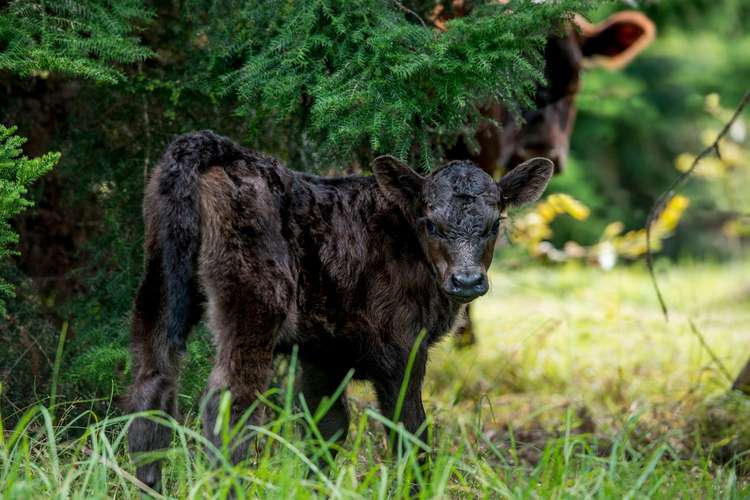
{"type": "Point", "coordinates": [667, 195]}
{"type": "Point", "coordinates": [714, 358]}
{"type": "Point", "coordinates": [406, 9]}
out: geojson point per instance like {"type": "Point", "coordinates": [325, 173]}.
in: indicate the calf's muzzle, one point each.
{"type": "Point", "coordinates": [466, 285]}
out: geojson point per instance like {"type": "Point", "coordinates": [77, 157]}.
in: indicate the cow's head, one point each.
{"type": "Point", "coordinates": [457, 212]}
{"type": "Point", "coordinates": [545, 130]}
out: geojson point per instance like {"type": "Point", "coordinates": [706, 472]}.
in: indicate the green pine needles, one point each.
{"type": "Point", "coordinates": [83, 38]}
{"type": "Point", "coordinates": [77, 37]}
{"type": "Point", "coordinates": [17, 172]}
{"type": "Point", "coordinates": [364, 77]}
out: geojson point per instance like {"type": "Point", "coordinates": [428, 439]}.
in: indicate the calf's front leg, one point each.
{"type": "Point", "coordinates": [318, 383]}
{"type": "Point", "coordinates": [388, 383]}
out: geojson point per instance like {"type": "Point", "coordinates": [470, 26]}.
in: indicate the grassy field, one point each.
{"type": "Point", "coordinates": [577, 388]}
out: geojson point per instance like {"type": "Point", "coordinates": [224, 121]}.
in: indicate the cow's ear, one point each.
{"type": "Point", "coordinates": [398, 182]}
{"type": "Point", "coordinates": [614, 42]}
{"type": "Point", "coordinates": [525, 183]}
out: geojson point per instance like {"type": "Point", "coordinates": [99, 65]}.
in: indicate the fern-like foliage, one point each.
{"type": "Point", "coordinates": [86, 38]}
{"type": "Point", "coordinates": [372, 76]}
{"type": "Point", "coordinates": [17, 172]}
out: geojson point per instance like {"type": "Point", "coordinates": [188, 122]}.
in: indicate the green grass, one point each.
{"type": "Point", "coordinates": [577, 388]}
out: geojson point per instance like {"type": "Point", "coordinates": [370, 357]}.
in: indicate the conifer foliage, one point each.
{"type": "Point", "coordinates": [88, 39]}
{"type": "Point", "coordinates": [17, 172]}
{"type": "Point", "coordinates": [84, 38]}
{"type": "Point", "coordinates": [374, 76]}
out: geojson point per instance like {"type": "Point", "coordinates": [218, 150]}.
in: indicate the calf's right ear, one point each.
{"type": "Point", "coordinates": [525, 183]}
{"type": "Point", "coordinates": [398, 182]}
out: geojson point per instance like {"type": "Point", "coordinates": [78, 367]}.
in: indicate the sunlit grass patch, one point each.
{"type": "Point", "coordinates": [583, 332]}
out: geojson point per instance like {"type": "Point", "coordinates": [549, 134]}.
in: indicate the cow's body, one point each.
{"type": "Point", "coordinates": [350, 270]}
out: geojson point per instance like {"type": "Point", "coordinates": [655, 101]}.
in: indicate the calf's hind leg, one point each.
{"type": "Point", "coordinates": [245, 329]}
{"type": "Point", "coordinates": [156, 366]}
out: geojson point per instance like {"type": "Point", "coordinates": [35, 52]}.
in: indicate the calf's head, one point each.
{"type": "Point", "coordinates": [546, 129]}
{"type": "Point", "coordinates": [457, 212]}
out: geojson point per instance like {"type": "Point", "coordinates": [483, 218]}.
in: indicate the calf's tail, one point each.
{"type": "Point", "coordinates": [179, 219]}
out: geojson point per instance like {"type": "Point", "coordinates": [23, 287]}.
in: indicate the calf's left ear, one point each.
{"type": "Point", "coordinates": [525, 183]}
{"type": "Point", "coordinates": [398, 182]}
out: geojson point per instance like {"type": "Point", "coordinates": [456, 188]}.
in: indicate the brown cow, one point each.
{"type": "Point", "coordinates": [545, 131]}
{"type": "Point", "coordinates": [348, 269]}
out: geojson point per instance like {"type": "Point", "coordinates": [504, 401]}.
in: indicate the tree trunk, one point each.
{"type": "Point", "coordinates": [742, 382]}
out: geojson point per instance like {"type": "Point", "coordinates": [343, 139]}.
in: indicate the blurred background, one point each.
{"type": "Point", "coordinates": [577, 258]}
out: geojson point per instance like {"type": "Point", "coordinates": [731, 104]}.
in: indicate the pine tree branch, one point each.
{"type": "Point", "coordinates": [667, 195]}
{"type": "Point", "coordinates": [372, 79]}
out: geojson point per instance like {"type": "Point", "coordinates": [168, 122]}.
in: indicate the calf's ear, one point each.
{"type": "Point", "coordinates": [525, 183]}
{"type": "Point", "coordinates": [398, 182]}
{"type": "Point", "coordinates": [617, 40]}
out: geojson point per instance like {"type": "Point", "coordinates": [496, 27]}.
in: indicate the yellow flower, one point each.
{"type": "Point", "coordinates": [712, 102]}
{"type": "Point", "coordinates": [670, 216]}
{"type": "Point", "coordinates": [708, 136]}
{"type": "Point", "coordinates": [546, 211]}
{"type": "Point", "coordinates": [684, 161]}
{"type": "Point", "coordinates": [570, 206]}
{"type": "Point", "coordinates": [612, 230]}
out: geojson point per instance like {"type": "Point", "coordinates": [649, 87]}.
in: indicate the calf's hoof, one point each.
{"type": "Point", "coordinates": [150, 475]}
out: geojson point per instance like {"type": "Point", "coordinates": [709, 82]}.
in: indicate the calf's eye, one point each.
{"type": "Point", "coordinates": [431, 228]}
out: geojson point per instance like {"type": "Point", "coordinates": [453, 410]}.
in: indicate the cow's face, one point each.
{"type": "Point", "coordinates": [545, 130]}
{"type": "Point", "coordinates": [457, 214]}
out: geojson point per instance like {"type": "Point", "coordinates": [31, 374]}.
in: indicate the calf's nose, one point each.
{"type": "Point", "coordinates": [467, 279]}
{"type": "Point", "coordinates": [466, 285]}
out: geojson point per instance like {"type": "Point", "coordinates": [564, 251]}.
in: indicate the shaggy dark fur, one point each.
{"type": "Point", "coordinates": [349, 269]}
